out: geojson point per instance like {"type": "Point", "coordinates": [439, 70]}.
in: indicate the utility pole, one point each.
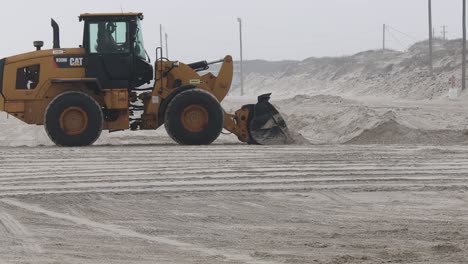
{"type": "Point", "coordinates": [464, 48]}
{"type": "Point", "coordinates": [431, 69]}
{"type": "Point", "coordinates": [167, 46]}
{"type": "Point", "coordinates": [444, 32]}
{"type": "Point", "coordinates": [161, 37]}
{"type": "Point", "coordinates": [241, 57]}
{"type": "Point", "coordinates": [383, 42]}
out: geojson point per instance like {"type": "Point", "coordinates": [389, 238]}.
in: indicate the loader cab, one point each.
{"type": "Point", "coordinates": [115, 51]}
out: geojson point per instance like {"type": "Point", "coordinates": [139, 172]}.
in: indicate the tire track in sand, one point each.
{"type": "Point", "coordinates": [123, 232]}
{"type": "Point", "coordinates": [20, 233]}
{"type": "Point", "coordinates": [118, 169]}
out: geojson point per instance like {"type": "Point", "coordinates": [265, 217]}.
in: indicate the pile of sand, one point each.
{"type": "Point", "coordinates": [334, 120]}
{"type": "Point", "coordinates": [370, 97]}
{"type": "Point", "coordinates": [392, 132]}
{"type": "Point", "coordinates": [398, 75]}
{"type": "Point", "coordinates": [13, 132]}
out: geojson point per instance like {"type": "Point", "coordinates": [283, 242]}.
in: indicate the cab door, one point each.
{"type": "Point", "coordinates": [110, 58]}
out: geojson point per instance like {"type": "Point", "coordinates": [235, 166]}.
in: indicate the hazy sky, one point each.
{"type": "Point", "coordinates": [208, 29]}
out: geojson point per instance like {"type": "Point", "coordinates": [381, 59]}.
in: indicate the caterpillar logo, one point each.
{"type": "Point", "coordinates": [68, 62]}
{"type": "Point", "coordinates": [76, 62]}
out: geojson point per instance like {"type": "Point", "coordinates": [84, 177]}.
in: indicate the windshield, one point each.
{"type": "Point", "coordinates": [108, 37]}
{"type": "Point", "coordinates": [139, 45]}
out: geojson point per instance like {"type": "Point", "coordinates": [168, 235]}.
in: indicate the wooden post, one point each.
{"type": "Point", "coordinates": [161, 37]}
{"type": "Point", "coordinates": [444, 32]}
{"type": "Point", "coordinates": [464, 48]}
{"type": "Point", "coordinates": [431, 69]}
{"type": "Point", "coordinates": [241, 57]}
{"type": "Point", "coordinates": [167, 46]}
{"type": "Point", "coordinates": [383, 42]}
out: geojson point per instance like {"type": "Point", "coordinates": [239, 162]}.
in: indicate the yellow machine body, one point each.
{"type": "Point", "coordinates": [30, 104]}
{"type": "Point", "coordinates": [31, 84]}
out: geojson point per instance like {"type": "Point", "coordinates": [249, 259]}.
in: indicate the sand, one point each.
{"type": "Point", "coordinates": [234, 204]}
{"type": "Point", "coordinates": [379, 175]}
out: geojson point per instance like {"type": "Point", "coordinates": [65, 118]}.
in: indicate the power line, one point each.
{"type": "Point", "coordinates": [407, 35]}
{"type": "Point", "coordinates": [396, 39]}
{"type": "Point", "coordinates": [392, 30]}
{"type": "Point", "coordinates": [408, 38]}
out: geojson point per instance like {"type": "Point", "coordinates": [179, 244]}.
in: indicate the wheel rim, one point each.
{"type": "Point", "coordinates": [194, 118]}
{"type": "Point", "coordinates": [73, 121]}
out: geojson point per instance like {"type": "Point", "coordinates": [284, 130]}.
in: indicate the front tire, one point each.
{"type": "Point", "coordinates": [73, 119]}
{"type": "Point", "coordinates": [194, 117]}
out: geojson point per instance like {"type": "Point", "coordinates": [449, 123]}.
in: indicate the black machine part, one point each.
{"type": "Point", "coordinates": [203, 65]}
{"type": "Point", "coordinates": [56, 28]}
{"type": "Point", "coordinates": [38, 44]}
{"type": "Point", "coordinates": [267, 126]}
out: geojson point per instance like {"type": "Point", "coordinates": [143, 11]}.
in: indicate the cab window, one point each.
{"type": "Point", "coordinates": [139, 44]}
{"type": "Point", "coordinates": [109, 37]}
{"type": "Point", "coordinates": [27, 78]}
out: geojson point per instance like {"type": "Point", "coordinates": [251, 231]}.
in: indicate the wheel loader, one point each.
{"type": "Point", "coordinates": [75, 93]}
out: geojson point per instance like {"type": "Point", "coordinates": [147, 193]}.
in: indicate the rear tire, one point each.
{"type": "Point", "coordinates": [73, 119]}
{"type": "Point", "coordinates": [194, 117]}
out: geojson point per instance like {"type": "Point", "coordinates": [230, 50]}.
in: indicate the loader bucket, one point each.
{"type": "Point", "coordinates": [267, 126]}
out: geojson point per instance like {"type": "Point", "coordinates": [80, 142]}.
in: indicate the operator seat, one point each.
{"type": "Point", "coordinates": [106, 42]}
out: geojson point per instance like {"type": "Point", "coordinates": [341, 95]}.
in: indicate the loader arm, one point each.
{"type": "Point", "coordinates": [173, 78]}
{"type": "Point", "coordinates": [223, 81]}
{"type": "Point", "coordinates": [238, 125]}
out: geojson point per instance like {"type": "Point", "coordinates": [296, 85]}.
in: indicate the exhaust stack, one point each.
{"type": "Point", "coordinates": [55, 26]}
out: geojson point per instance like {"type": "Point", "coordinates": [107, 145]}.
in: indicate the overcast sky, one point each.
{"type": "Point", "coordinates": [208, 29]}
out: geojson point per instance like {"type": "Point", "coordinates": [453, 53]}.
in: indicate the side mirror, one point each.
{"type": "Point", "coordinates": [38, 44]}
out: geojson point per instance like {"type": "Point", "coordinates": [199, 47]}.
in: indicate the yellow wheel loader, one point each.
{"type": "Point", "coordinates": [78, 92]}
